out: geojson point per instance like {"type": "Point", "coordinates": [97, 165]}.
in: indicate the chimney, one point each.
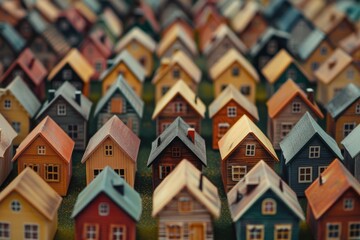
{"type": "Point", "coordinates": [201, 181]}
{"type": "Point", "coordinates": [332, 63]}
{"type": "Point", "coordinates": [158, 141]}
{"type": "Point", "coordinates": [78, 97]}
{"type": "Point", "coordinates": [31, 62]}
{"type": "Point", "coordinates": [191, 134]}
{"type": "Point", "coordinates": [281, 186]}
{"type": "Point", "coordinates": [118, 185]}
{"type": "Point", "coordinates": [310, 94]}
{"type": "Point", "coordinates": [51, 94]}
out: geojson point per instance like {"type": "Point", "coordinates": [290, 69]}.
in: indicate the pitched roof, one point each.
{"type": "Point", "coordinates": [74, 18]}
{"type": "Point", "coordinates": [134, 66]}
{"type": "Point", "coordinates": [245, 16]}
{"type": "Point", "coordinates": [309, 45]}
{"type": "Point", "coordinates": [108, 182]}
{"type": "Point", "coordinates": [56, 40]}
{"type": "Point", "coordinates": [266, 180]}
{"type": "Point", "coordinates": [342, 100]}
{"type": "Point", "coordinates": [186, 175]}
{"type": "Point", "coordinates": [7, 135]}
{"type": "Point", "coordinates": [101, 42]}
{"type": "Point", "coordinates": [12, 9]}
{"type": "Point", "coordinates": [303, 131]}
{"type": "Point", "coordinates": [333, 66]}
{"type": "Point", "coordinates": [329, 18]}
{"type": "Point", "coordinates": [181, 59]}
{"type": "Point", "coordinates": [12, 37]}
{"type": "Point", "coordinates": [182, 89]}
{"type": "Point", "coordinates": [122, 86]}
{"type": "Point", "coordinates": [136, 34]}
{"type": "Point", "coordinates": [351, 142]}
{"type": "Point", "coordinates": [85, 11]}
{"type": "Point", "coordinates": [238, 132]}
{"type": "Point", "coordinates": [351, 43]}
{"type": "Point", "coordinates": [48, 9]}
{"type": "Point", "coordinates": [231, 93]}
{"type": "Point", "coordinates": [37, 22]}
{"type": "Point", "coordinates": [112, 22]}
{"type": "Point", "coordinates": [77, 62]}
{"type": "Point", "coordinates": [178, 129]}
{"type": "Point", "coordinates": [336, 181]}
{"type": "Point", "coordinates": [285, 94]}
{"type": "Point", "coordinates": [30, 186]}
{"type": "Point", "coordinates": [229, 58]}
{"type": "Point", "coordinates": [55, 137]}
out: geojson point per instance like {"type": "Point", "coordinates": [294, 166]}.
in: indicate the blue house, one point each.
{"type": "Point", "coordinates": [305, 153]}
{"type": "Point", "coordinates": [262, 206]}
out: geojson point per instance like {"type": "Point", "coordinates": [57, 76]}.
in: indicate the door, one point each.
{"type": "Point", "coordinates": [197, 231]}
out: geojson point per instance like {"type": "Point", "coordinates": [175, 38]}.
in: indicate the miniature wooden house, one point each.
{"type": "Point", "coordinates": [179, 101]}
{"type": "Point", "coordinates": [108, 208]}
{"type": "Point", "coordinates": [179, 66]}
{"type": "Point", "coordinates": [186, 202]}
{"type": "Point", "coordinates": [233, 68]}
{"type": "Point", "coordinates": [122, 101]}
{"type": "Point", "coordinates": [305, 153]}
{"type": "Point", "coordinates": [343, 112]}
{"type": "Point", "coordinates": [351, 45]}
{"type": "Point", "coordinates": [262, 206]}
{"type": "Point", "coordinates": [227, 109]}
{"type": "Point", "coordinates": [351, 152]}
{"type": "Point", "coordinates": [70, 110]}
{"type": "Point", "coordinates": [178, 18]}
{"type": "Point", "coordinates": [29, 208]}
{"type": "Point", "coordinates": [286, 107]}
{"type": "Point", "coordinates": [31, 25]}
{"type": "Point", "coordinates": [47, 150]}
{"type": "Point", "coordinates": [333, 210]}
{"type": "Point", "coordinates": [241, 148]}
{"type": "Point", "coordinates": [178, 141]}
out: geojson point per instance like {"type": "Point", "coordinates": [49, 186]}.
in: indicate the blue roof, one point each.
{"type": "Point", "coordinates": [273, 7]}
{"type": "Point", "coordinates": [12, 37]}
{"type": "Point", "coordinates": [37, 21]}
{"type": "Point", "coordinates": [307, 47]}
{"type": "Point", "coordinates": [287, 19]}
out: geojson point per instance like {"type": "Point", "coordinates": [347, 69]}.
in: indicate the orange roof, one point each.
{"type": "Point", "coordinates": [336, 180]}
{"type": "Point", "coordinates": [286, 93]}
{"type": "Point", "coordinates": [53, 134]}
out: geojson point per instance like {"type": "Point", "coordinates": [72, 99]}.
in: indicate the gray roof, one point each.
{"type": "Point", "coordinates": [67, 91]}
{"type": "Point", "coordinates": [351, 142]}
{"type": "Point", "coordinates": [177, 14]}
{"type": "Point", "coordinates": [94, 5]}
{"type": "Point", "coordinates": [342, 100]}
{"type": "Point", "coordinates": [288, 19]}
{"type": "Point", "coordinates": [122, 86]}
{"type": "Point", "coordinates": [37, 21]}
{"type": "Point", "coordinates": [179, 129]}
{"type": "Point", "coordinates": [304, 130]}
{"type": "Point", "coordinates": [307, 47]}
{"type": "Point", "coordinates": [12, 37]}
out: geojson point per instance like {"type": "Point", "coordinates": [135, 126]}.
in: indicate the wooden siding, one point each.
{"type": "Point", "coordinates": [138, 51]}
{"type": "Point", "coordinates": [76, 81]}
{"type": "Point", "coordinates": [5, 164]}
{"type": "Point", "coordinates": [44, 52]}
{"type": "Point", "coordinates": [253, 32]}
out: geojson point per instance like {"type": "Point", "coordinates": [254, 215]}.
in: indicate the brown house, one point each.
{"type": "Point", "coordinates": [241, 148]}
{"type": "Point", "coordinates": [226, 109]}
{"type": "Point", "coordinates": [47, 150]}
{"type": "Point", "coordinates": [179, 101]}
{"type": "Point", "coordinates": [333, 210]}
{"type": "Point", "coordinates": [177, 142]}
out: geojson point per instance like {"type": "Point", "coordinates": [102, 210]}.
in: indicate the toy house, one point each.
{"type": "Point", "coordinates": [18, 105]}
{"type": "Point", "coordinates": [263, 206]}
{"type": "Point", "coordinates": [29, 208]}
{"type": "Point", "coordinates": [10, 13]}
{"type": "Point", "coordinates": [334, 74]}
{"type": "Point", "coordinates": [286, 107]}
{"type": "Point", "coordinates": [222, 39]}
{"type": "Point", "coordinates": [73, 68]}
{"type": "Point", "coordinates": [179, 66]}
{"type": "Point", "coordinates": [241, 148]}
{"type": "Point", "coordinates": [180, 101]}
{"type": "Point", "coordinates": [108, 208]}
{"type": "Point", "coordinates": [7, 136]}
{"type": "Point", "coordinates": [124, 64]}
{"type": "Point", "coordinates": [177, 142]}
{"type": "Point", "coordinates": [141, 46]}
{"type": "Point", "coordinates": [110, 24]}
{"type": "Point", "coordinates": [282, 67]}
{"type": "Point", "coordinates": [351, 45]}
{"type": "Point", "coordinates": [122, 101]}
{"type": "Point", "coordinates": [333, 210]}
{"type": "Point", "coordinates": [343, 112]}
{"type": "Point", "coordinates": [351, 152]}
{"type": "Point", "coordinates": [186, 203]}
{"type": "Point", "coordinates": [178, 18]}
{"type": "Point", "coordinates": [114, 145]}
{"type": "Point", "coordinates": [47, 150]}
{"type": "Point", "coordinates": [31, 25]}
{"type": "Point", "coordinates": [226, 109]}
{"type": "Point", "coordinates": [305, 153]}
{"type": "Point", "coordinates": [233, 68]}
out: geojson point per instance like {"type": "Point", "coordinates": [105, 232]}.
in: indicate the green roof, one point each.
{"type": "Point", "coordinates": [107, 183]}
{"type": "Point", "coordinates": [12, 37]}
{"type": "Point", "coordinates": [37, 22]}
{"type": "Point", "coordinates": [351, 143]}
{"type": "Point", "coordinates": [342, 100]}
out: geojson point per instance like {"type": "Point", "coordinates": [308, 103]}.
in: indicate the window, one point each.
{"type": "Point", "coordinates": [142, 61]}
{"type": "Point", "coordinates": [323, 50]}
{"type": "Point", "coordinates": [15, 206]}
{"type": "Point", "coordinates": [176, 152]}
{"type": "Point", "coordinates": [268, 206]}
{"type": "Point", "coordinates": [176, 73]}
{"type": "Point", "coordinates": [321, 169]}
{"type": "Point", "coordinates": [235, 71]}
{"type": "Point", "coordinates": [117, 105]}
{"type": "Point", "coordinates": [52, 173]}
{"type": "Point", "coordinates": [348, 204]}
{"type": "Point", "coordinates": [41, 150]}
{"type": "Point", "coordinates": [282, 232]}
{"type": "Point", "coordinates": [354, 231]}
{"type": "Point", "coordinates": [16, 126]}
{"type": "Point", "coordinates": [185, 204]}
{"type": "Point", "coordinates": [350, 74]}
{"type": "Point", "coordinates": [7, 104]}
{"type": "Point", "coordinates": [164, 89]}
{"type": "Point", "coordinates": [61, 109]}
{"type": "Point", "coordinates": [118, 232]}
{"type": "Point", "coordinates": [272, 47]}
{"type": "Point", "coordinates": [245, 90]}
{"type": "Point", "coordinates": [357, 109]}
{"type": "Point", "coordinates": [333, 231]}
{"type": "Point", "coordinates": [285, 129]}
{"type": "Point", "coordinates": [250, 150]}
{"type": "Point", "coordinates": [348, 127]}
{"type": "Point", "coordinates": [108, 150]}
{"type": "Point", "coordinates": [4, 231]}
{"type": "Point", "coordinates": [97, 172]}
{"type": "Point", "coordinates": [305, 174]}
{"type": "Point", "coordinates": [120, 172]}
{"type": "Point", "coordinates": [314, 151]}
{"type": "Point", "coordinates": [91, 231]}
{"type": "Point", "coordinates": [238, 172]}
{"type": "Point", "coordinates": [34, 167]}
{"type": "Point", "coordinates": [67, 74]}
{"type": "Point", "coordinates": [222, 129]}
{"type": "Point", "coordinates": [291, 73]}
{"type": "Point", "coordinates": [164, 170]}
{"type": "Point", "coordinates": [254, 232]}
{"type": "Point", "coordinates": [179, 107]}
{"type": "Point", "coordinates": [173, 231]}
{"type": "Point", "coordinates": [104, 209]}
{"type": "Point", "coordinates": [31, 232]}
{"type": "Point", "coordinates": [73, 131]}
{"type": "Point", "coordinates": [314, 66]}
{"type": "Point", "coordinates": [231, 112]}
{"type": "Point", "coordinates": [296, 107]}
{"type": "Point", "coordinates": [98, 66]}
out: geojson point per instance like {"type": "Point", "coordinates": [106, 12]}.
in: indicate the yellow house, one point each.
{"type": "Point", "coordinates": [233, 68]}
{"type": "Point", "coordinates": [141, 46]}
{"type": "Point", "coordinates": [18, 105]}
{"type": "Point", "coordinates": [126, 65]}
{"type": "Point", "coordinates": [29, 208]}
{"type": "Point", "coordinates": [179, 66]}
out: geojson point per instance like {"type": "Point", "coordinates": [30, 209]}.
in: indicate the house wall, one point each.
{"type": "Point", "coordinates": [6, 164]}
{"type": "Point", "coordinates": [25, 30]}
{"type": "Point", "coordinates": [254, 30]}
{"type": "Point", "coordinates": [92, 54]}
{"type": "Point", "coordinates": [206, 31]}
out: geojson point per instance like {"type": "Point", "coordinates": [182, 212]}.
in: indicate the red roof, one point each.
{"type": "Point", "coordinates": [149, 15]}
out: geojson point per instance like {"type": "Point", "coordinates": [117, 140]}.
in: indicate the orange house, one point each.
{"type": "Point", "coordinates": [47, 150]}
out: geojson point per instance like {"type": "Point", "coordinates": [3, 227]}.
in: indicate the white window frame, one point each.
{"type": "Point", "coordinates": [7, 104]}
{"type": "Point", "coordinates": [250, 150]}
{"type": "Point", "coordinates": [34, 167]}
{"type": "Point", "coordinates": [104, 209]}
{"type": "Point", "coordinates": [238, 170]}
{"type": "Point", "coordinates": [179, 107]}
{"type": "Point", "coordinates": [173, 224]}
{"type": "Point", "coordinates": [260, 227]}
{"type": "Point", "coordinates": [4, 231]}
{"type": "Point", "coordinates": [346, 131]}
{"type": "Point", "coordinates": [321, 169]}
{"type": "Point", "coordinates": [41, 150]}
{"type": "Point", "coordinates": [328, 230]}
{"type": "Point", "coordinates": [314, 152]}
{"type": "Point", "coordinates": [349, 228]}
{"type": "Point", "coordinates": [299, 174]}
{"type": "Point", "coordinates": [287, 131]}
{"type": "Point", "coordinates": [296, 107]}
{"type": "Point", "coordinates": [31, 232]}
{"type": "Point", "coordinates": [231, 111]}
{"type": "Point", "coordinates": [280, 227]}
{"type": "Point", "coordinates": [98, 66]}
{"type": "Point", "coordinates": [346, 202]}
{"type": "Point", "coordinates": [264, 211]}
{"type": "Point", "coordinates": [61, 109]}
{"type": "Point", "coordinates": [168, 172]}
{"type": "Point", "coordinates": [15, 206]}
{"type": "Point", "coordinates": [93, 232]}
{"type": "Point", "coordinates": [118, 232]}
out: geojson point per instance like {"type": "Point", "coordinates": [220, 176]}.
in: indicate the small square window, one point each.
{"type": "Point", "coordinates": [296, 107]}
{"type": "Point", "coordinates": [223, 86]}
{"type": "Point", "coordinates": [120, 172]}
{"type": "Point", "coordinates": [354, 231]}
{"type": "Point", "coordinates": [67, 74]}
{"type": "Point", "coordinates": [52, 172]}
{"type": "Point", "coordinates": [98, 66]}
{"type": "Point", "coordinates": [185, 204]}
{"type": "Point", "coordinates": [282, 232]}
{"type": "Point", "coordinates": [41, 150]}
{"type": "Point", "coordinates": [61, 110]}
{"type": "Point", "coordinates": [250, 150]}
{"type": "Point", "coordinates": [164, 90]}
{"type": "Point", "coordinates": [91, 231]}
{"type": "Point", "coordinates": [97, 172]}
{"type": "Point", "coordinates": [314, 151]}
{"type": "Point", "coordinates": [173, 232]}
{"type": "Point", "coordinates": [176, 152]}
{"type": "Point", "coordinates": [238, 172]}
{"type": "Point", "coordinates": [357, 109]}
{"type": "Point", "coordinates": [104, 209]}
{"type": "Point", "coordinates": [268, 206]}
{"type": "Point", "coordinates": [164, 170]}
{"type": "Point", "coordinates": [235, 71]}
{"type": "Point", "coordinates": [7, 104]}
{"type": "Point", "coordinates": [15, 206]}
{"type": "Point", "coordinates": [231, 112]}
{"type": "Point", "coordinates": [272, 47]}
{"type": "Point", "coordinates": [333, 231]}
{"type": "Point", "coordinates": [34, 167]}
{"type": "Point", "coordinates": [31, 232]}
{"type": "Point", "coordinates": [323, 50]}
{"type": "Point", "coordinates": [285, 129]}
{"type": "Point", "coordinates": [179, 107]}
{"type": "Point", "coordinates": [176, 73]}
{"type": "Point", "coordinates": [305, 174]}
{"type": "Point", "coordinates": [314, 66]}
{"type": "Point", "coordinates": [4, 231]}
{"type": "Point", "coordinates": [223, 128]}
{"type": "Point", "coordinates": [16, 126]}
{"type": "Point", "coordinates": [348, 204]}
{"type": "Point", "coordinates": [348, 127]}
{"type": "Point", "coordinates": [164, 126]}
{"type": "Point", "coordinates": [255, 232]}
{"type": "Point", "coordinates": [108, 150]}
{"type": "Point", "coordinates": [118, 232]}
{"type": "Point", "coordinates": [245, 90]}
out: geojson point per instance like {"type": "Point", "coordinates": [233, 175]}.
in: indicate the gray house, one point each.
{"type": "Point", "coordinates": [352, 152]}
{"type": "Point", "coordinates": [70, 109]}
